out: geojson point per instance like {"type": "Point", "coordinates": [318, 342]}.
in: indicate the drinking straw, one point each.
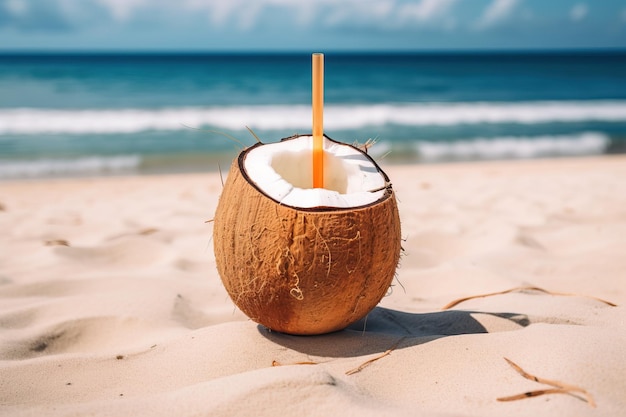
{"type": "Point", "coordinates": [318, 120]}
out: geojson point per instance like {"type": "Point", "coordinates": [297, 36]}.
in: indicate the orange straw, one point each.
{"type": "Point", "coordinates": [318, 120]}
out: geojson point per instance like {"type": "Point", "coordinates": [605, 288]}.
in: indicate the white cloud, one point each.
{"type": "Point", "coordinates": [247, 16]}
{"type": "Point", "coordinates": [46, 16]}
{"type": "Point", "coordinates": [382, 13]}
{"type": "Point", "coordinates": [337, 12]}
{"type": "Point", "coordinates": [497, 12]}
{"type": "Point", "coordinates": [355, 12]}
{"type": "Point", "coordinates": [425, 10]}
{"type": "Point", "coordinates": [244, 13]}
{"type": "Point", "coordinates": [382, 9]}
{"type": "Point", "coordinates": [305, 16]}
{"type": "Point", "coordinates": [219, 11]}
{"type": "Point", "coordinates": [119, 9]}
{"type": "Point", "coordinates": [241, 15]}
{"type": "Point", "coordinates": [17, 7]}
{"type": "Point", "coordinates": [578, 12]}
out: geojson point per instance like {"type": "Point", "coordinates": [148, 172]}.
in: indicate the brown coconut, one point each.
{"type": "Point", "coordinates": [303, 271]}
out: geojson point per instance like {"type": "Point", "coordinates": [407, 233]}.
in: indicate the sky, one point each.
{"type": "Point", "coordinates": [305, 25]}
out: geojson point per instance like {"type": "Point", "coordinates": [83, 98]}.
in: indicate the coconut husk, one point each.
{"type": "Point", "coordinates": [303, 270]}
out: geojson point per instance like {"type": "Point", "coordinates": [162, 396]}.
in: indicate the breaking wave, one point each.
{"type": "Point", "coordinates": [95, 165]}
{"type": "Point", "coordinates": [515, 147]}
{"type": "Point", "coordinates": [502, 147]}
{"type": "Point", "coordinates": [110, 121]}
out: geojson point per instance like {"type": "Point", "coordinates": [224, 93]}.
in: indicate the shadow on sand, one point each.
{"type": "Point", "coordinates": [384, 327]}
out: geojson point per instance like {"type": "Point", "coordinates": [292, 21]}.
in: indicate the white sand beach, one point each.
{"type": "Point", "coordinates": [110, 302]}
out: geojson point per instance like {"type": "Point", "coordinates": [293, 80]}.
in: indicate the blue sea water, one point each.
{"type": "Point", "coordinates": [98, 114]}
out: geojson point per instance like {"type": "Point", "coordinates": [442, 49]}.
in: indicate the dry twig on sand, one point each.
{"type": "Point", "coordinates": [558, 387]}
{"type": "Point", "coordinates": [57, 242]}
{"type": "Point", "coordinates": [355, 370]}
{"type": "Point", "coordinates": [358, 368]}
{"type": "Point", "coordinates": [520, 289]}
{"type": "Point", "coordinates": [369, 362]}
{"type": "Point", "coordinates": [276, 363]}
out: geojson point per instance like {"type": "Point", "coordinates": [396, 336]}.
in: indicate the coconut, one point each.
{"type": "Point", "coordinates": [303, 260]}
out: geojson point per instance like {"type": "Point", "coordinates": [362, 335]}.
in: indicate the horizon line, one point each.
{"type": "Point", "coordinates": [428, 51]}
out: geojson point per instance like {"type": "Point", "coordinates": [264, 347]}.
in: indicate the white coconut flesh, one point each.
{"type": "Point", "coordinates": [284, 172]}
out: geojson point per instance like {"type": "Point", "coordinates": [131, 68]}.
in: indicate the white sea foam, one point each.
{"type": "Point", "coordinates": [37, 121]}
{"type": "Point", "coordinates": [515, 147]}
{"type": "Point", "coordinates": [93, 165]}
{"type": "Point", "coordinates": [505, 147]}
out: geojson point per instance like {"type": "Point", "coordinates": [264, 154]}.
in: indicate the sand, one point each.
{"type": "Point", "coordinates": [110, 303]}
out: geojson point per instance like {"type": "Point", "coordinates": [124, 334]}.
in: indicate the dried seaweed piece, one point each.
{"type": "Point", "coordinates": [276, 363]}
{"type": "Point", "coordinates": [369, 362]}
{"type": "Point", "coordinates": [520, 289]}
{"type": "Point", "coordinates": [559, 387]}
{"type": "Point", "coordinates": [57, 242]}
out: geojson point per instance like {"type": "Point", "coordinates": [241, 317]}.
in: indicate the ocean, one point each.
{"type": "Point", "coordinates": [108, 114]}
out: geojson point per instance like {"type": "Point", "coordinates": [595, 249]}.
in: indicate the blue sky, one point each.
{"type": "Point", "coordinates": [305, 25]}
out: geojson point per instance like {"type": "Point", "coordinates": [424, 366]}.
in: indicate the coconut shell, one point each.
{"type": "Point", "coordinates": [303, 271]}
